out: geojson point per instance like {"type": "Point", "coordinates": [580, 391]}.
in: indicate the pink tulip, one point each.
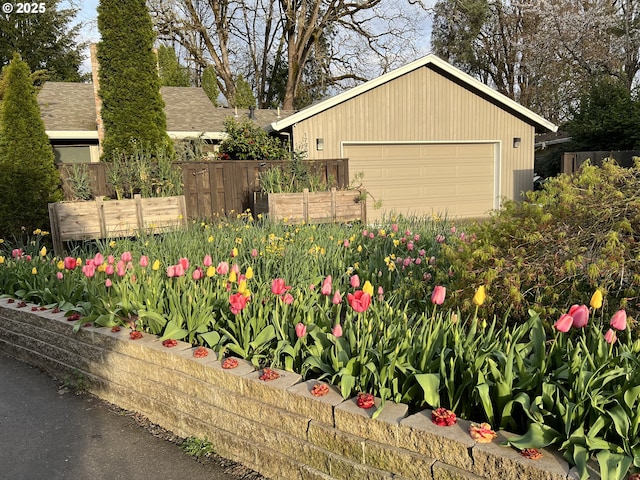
{"type": "Point", "coordinates": [337, 298]}
{"type": "Point", "coordinates": [380, 293]}
{"type": "Point", "coordinates": [179, 270]}
{"type": "Point", "coordinates": [98, 259]}
{"type": "Point", "coordinates": [619, 320]}
{"type": "Point", "coordinates": [111, 259]}
{"type": "Point", "coordinates": [278, 286]}
{"type": "Point", "coordinates": [337, 330]}
{"type": "Point", "coordinates": [184, 263]}
{"type": "Point", "coordinates": [326, 286]}
{"type": "Point", "coordinates": [610, 337]}
{"type": "Point", "coordinates": [355, 281]}
{"type": "Point", "coordinates": [197, 274]}
{"type": "Point", "coordinates": [564, 323]}
{"type": "Point", "coordinates": [108, 283]}
{"type": "Point", "coordinates": [345, 244]}
{"type": "Point", "coordinates": [237, 302]}
{"type": "Point", "coordinates": [16, 253]}
{"type": "Point", "coordinates": [59, 276]}
{"type": "Point", "coordinates": [440, 238]}
{"type": "Point", "coordinates": [437, 297]}
{"type": "Point", "coordinates": [394, 228]}
{"type": "Point", "coordinates": [359, 301]}
{"type": "Point", "coordinates": [109, 270]}
{"type": "Point", "coordinates": [121, 269]}
{"type": "Point", "coordinates": [144, 261]}
{"type": "Point", "coordinates": [287, 298]}
{"type": "Point", "coordinates": [410, 246]}
{"type": "Point", "coordinates": [222, 268]}
{"type": "Point", "coordinates": [207, 261]}
{"type": "Point", "coordinates": [89, 270]}
{"type": "Point", "coordinates": [126, 257]}
{"type": "Point", "coordinates": [235, 268]}
{"type": "Point", "coordinates": [171, 271]}
{"type": "Point", "coordinates": [254, 253]}
{"type": "Point", "coordinates": [301, 330]}
{"type": "Point", "coordinates": [580, 314]}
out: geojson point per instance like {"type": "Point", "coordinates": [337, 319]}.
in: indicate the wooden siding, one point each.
{"type": "Point", "coordinates": [424, 105]}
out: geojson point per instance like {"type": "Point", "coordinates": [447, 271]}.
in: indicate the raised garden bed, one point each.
{"type": "Point", "coordinates": [312, 207]}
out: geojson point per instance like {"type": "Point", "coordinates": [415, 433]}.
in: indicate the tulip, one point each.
{"type": "Point", "coordinates": [610, 337]}
{"type": "Point", "coordinates": [278, 286]}
{"type": "Point", "coordinates": [564, 323]}
{"type": "Point", "coordinates": [184, 263]}
{"type": "Point", "coordinates": [596, 300]}
{"type": "Point", "coordinates": [16, 253]}
{"type": "Point", "coordinates": [233, 276]}
{"type": "Point", "coordinates": [144, 261]}
{"type": "Point", "coordinates": [43, 252]}
{"type": "Point", "coordinates": [580, 314]}
{"type": "Point", "coordinates": [337, 330]}
{"type": "Point", "coordinates": [34, 271]}
{"type": "Point", "coordinates": [126, 257]}
{"type": "Point", "coordinates": [70, 263]}
{"type": "Point", "coordinates": [156, 265]}
{"type": "Point", "coordinates": [109, 270]}
{"type": "Point", "coordinates": [301, 330]}
{"type": "Point", "coordinates": [234, 252]}
{"type": "Point", "coordinates": [368, 288]}
{"type": "Point", "coordinates": [59, 276]}
{"type": "Point", "coordinates": [235, 268]}
{"type": "Point", "coordinates": [359, 301]}
{"type": "Point", "coordinates": [237, 302]}
{"type": "Point", "coordinates": [480, 296]}
{"type": "Point", "coordinates": [121, 268]}
{"type": "Point", "coordinates": [197, 274]}
{"type": "Point", "coordinates": [89, 270]}
{"type": "Point", "coordinates": [619, 320]}
{"type": "Point", "coordinates": [337, 298]}
{"type": "Point", "coordinates": [287, 298]}
{"type": "Point", "coordinates": [108, 283]}
{"type": "Point", "coordinates": [326, 286]}
{"type": "Point", "coordinates": [111, 259]}
{"type": "Point", "coordinates": [211, 271]}
{"type": "Point", "coordinates": [354, 281]}
{"type": "Point", "coordinates": [207, 261]}
{"type": "Point", "coordinates": [437, 297]}
{"type": "Point", "coordinates": [380, 293]}
{"type": "Point", "coordinates": [222, 268]}
{"type": "Point", "coordinates": [249, 273]}
{"type": "Point", "coordinates": [171, 271]}
{"type": "Point", "coordinates": [254, 253]}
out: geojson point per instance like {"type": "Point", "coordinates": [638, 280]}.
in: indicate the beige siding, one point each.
{"type": "Point", "coordinates": [424, 105]}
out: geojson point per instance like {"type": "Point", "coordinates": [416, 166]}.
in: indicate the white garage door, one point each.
{"type": "Point", "coordinates": [452, 179]}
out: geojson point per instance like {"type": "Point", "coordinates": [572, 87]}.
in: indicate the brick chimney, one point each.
{"type": "Point", "coordinates": [93, 49]}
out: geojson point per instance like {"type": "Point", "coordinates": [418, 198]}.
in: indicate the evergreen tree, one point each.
{"type": "Point", "coordinates": [244, 94]}
{"type": "Point", "coordinates": [209, 84]}
{"type": "Point", "coordinates": [172, 74]}
{"type": "Point", "coordinates": [45, 40]}
{"type": "Point", "coordinates": [132, 108]}
{"type": "Point", "coordinates": [28, 175]}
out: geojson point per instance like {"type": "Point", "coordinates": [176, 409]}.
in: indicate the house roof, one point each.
{"type": "Point", "coordinates": [428, 61]}
{"type": "Point", "coordinates": [68, 111]}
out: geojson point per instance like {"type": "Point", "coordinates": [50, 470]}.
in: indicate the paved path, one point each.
{"type": "Point", "coordinates": [49, 432]}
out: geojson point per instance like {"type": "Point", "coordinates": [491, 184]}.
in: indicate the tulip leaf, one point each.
{"type": "Point", "coordinates": [485, 399]}
{"type": "Point", "coordinates": [631, 396]}
{"type": "Point", "coordinates": [613, 465]}
{"type": "Point", "coordinates": [211, 338]}
{"type": "Point", "coordinates": [173, 331]}
{"type": "Point", "coordinates": [430, 383]}
{"type": "Point", "coordinates": [620, 420]}
{"type": "Point", "coordinates": [267, 334]}
{"type": "Point", "coordinates": [538, 436]}
{"type": "Point", "coordinates": [580, 457]}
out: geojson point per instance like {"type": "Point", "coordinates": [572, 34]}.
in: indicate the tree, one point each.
{"type": "Point", "coordinates": [247, 141]}
{"type": "Point", "coordinates": [132, 108]}
{"type": "Point", "coordinates": [607, 119]}
{"type": "Point", "coordinates": [28, 175]}
{"type": "Point", "coordinates": [244, 36]}
{"type": "Point", "coordinates": [244, 96]}
{"type": "Point", "coordinates": [172, 74]}
{"type": "Point", "coordinates": [209, 84]}
{"type": "Point", "coordinates": [46, 41]}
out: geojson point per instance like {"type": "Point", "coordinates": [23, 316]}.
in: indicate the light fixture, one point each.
{"type": "Point", "coordinates": [319, 143]}
{"type": "Point", "coordinates": [516, 142]}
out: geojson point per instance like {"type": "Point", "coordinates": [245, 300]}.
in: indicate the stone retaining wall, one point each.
{"type": "Point", "coordinates": [276, 428]}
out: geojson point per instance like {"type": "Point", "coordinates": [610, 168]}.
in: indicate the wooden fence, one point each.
{"type": "Point", "coordinates": [216, 188]}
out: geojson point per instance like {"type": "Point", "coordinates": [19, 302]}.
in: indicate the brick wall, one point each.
{"type": "Point", "coordinates": [276, 428]}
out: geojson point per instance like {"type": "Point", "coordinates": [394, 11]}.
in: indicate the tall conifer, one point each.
{"type": "Point", "coordinates": [132, 108]}
{"type": "Point", "coordinates": [28, 175]}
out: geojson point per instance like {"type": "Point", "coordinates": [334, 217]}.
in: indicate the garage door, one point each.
{"type": "Point", "coordinates": [453, 179]}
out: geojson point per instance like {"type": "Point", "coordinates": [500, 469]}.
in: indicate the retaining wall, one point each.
{"type": "Point", "coordinates": [276, 428]}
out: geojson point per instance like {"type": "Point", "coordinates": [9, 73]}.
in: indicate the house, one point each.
{"type": "Point", "coordinates": [70, 118]}
{"type": "Point", "coordinates": [427, 138]}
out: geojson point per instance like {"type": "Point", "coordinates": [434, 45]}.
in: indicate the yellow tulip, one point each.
{"type": "Point", "coordinates": [596, 299]}
{"type": "Point", "coordinates": [60, 264]}
{"type": "Point", "coordinates": [368, 288]}
{"type": "Point", "coordinates": [480, 296]}
{"type": "Point", "coordinates": [78, 262]}
{"type": "Point", "coordinates": [211, 271]}
{"type": "Point", "coordinates": [233, 276]}
{"type": "Point", "coordinates": [210, 239]}
{"type": "Point", "coordinates": [242, 286]}
{"type": "Point", "coordinates": [34, 271]}
{"type": "Point", "coordinates": [43, 252]}
{"type": "Point", "coordinates": [156, 265]}
{"type": "Point", "coordinates": [249, 273]}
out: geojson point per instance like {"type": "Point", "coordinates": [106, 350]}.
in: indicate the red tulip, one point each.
{"type": "Point", "coordinates": [580, 314]}
{"type": "Point", "coordinates": [326, 286]}
{"type": "Point", "coordinates": [237, 302]}
{"type": "Point", "coordinates": [301, 330]}
{"type": "Point", "coordinates": [610, 337]}
{"type": "Point", "coordinates": [437, 297]}
{"type": "Point", "coordinates": [359, 301]}
{"type": "Point", "coordinates": [70, 263]}
{"type": "Point", "coordinates": [619, 320]}
{"type": "Point", "coordinates": [564, 323]}
{"type": "Point", "coordinates": [184, 262]}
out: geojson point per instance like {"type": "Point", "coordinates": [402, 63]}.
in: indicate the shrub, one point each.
{"type": "Point", "coordinates": [247, 141]}
{"type": "Point", "coordinates": [28, 174]}
{"type": "Point", "coordinates": [553, 249]}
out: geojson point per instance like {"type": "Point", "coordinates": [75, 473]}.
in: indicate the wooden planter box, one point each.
{"type": "Point", "coordinates": [311, 207]}
{"type": "Point", "coordinates": [90, 220]}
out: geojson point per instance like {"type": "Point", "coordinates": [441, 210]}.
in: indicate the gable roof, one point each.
{"type": "Point", "coordinates": [69, 111]}
{"type": "Point", "coordinates": [428, 61]}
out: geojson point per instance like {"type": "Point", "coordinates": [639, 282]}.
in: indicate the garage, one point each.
{"type": "Point", "coordinates": [452, 179]}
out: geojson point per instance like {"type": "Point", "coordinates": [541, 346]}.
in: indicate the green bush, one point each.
{"type": "Point", "coordinates": [28, 174]}
{"type": "Point", "coordinates": [555, 248]}
{"type": "Point", "coordinates": [247, 141]}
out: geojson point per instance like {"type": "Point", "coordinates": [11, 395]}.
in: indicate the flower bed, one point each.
{"type": "Point", "coordinates": [367, 312]}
